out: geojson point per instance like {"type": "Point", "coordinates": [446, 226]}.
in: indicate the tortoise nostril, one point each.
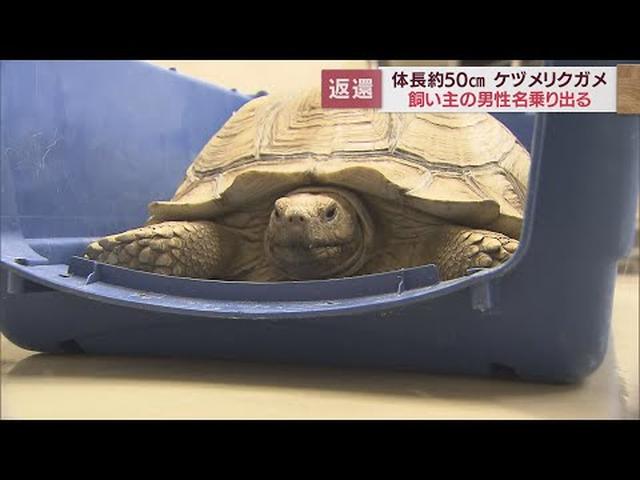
{"type": "Point", "coordinates": [296, 218]}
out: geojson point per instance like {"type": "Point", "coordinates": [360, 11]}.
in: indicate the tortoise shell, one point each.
{"type": "Point", "coordinates": [467, 168]}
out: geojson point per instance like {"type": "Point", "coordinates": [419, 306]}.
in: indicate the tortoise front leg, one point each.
{"type": "Point", "coordinates": [188, 249]}
{"type": "Point", "coordinates": [462, 248]}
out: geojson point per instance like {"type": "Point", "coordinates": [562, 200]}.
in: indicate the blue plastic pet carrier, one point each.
{"type": "Point", "coordinates": [85, 146]}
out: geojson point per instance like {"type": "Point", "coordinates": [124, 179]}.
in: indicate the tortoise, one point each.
{"type": "Point", "coordinates": [287, 190]}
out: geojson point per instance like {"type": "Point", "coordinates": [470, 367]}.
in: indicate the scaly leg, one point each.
{"type": "Point", "coordinates": [464, 248]}
{"type": "Point", "coordinates": [188, 249]}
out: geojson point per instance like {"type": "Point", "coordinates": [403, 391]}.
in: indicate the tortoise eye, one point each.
{"type": "Point", "coordinates": [330, 213]}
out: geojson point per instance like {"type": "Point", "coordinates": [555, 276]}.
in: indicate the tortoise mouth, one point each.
{"type": "Point", "coordinates": [302, 246]}
{"type": "Point", "coordinates": [310, 262]}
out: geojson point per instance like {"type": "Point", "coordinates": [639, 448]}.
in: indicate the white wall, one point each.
{"type": "Point", "coordinates": [250, 76]}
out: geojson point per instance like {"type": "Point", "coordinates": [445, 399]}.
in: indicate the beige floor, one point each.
{"type": "Point", "coordinates": [48, 386]}
{"type": "Point", "coordinates": [627, 336]}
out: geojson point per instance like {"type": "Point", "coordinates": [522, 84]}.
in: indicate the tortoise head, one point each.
{"type": "Point", "coordinates": [318, 232]}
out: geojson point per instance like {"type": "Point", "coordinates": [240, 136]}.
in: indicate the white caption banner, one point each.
{"type": "Point", "coordinates": [499, 89]}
